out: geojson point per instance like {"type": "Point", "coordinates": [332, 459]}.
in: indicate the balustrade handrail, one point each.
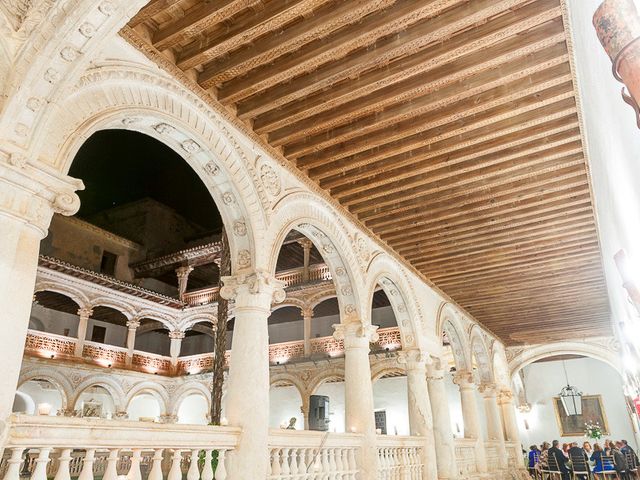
{"type": "Point", "coordinates": [465, 442]}
{"type": "Point", "coordinates": [105, 346]}
{"type": "Point", "coordinates": [309, 439]}
{"type": "Point", "coordinates": [30, 431]}
{"type": "Point", "coordinates": [399, 441]}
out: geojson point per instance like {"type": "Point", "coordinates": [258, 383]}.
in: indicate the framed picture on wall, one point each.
{"type": "Point", "coordinates": [573, 426]}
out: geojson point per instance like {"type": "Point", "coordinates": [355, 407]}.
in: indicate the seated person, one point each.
{"type": "Point", "coordinates": [598, 453]}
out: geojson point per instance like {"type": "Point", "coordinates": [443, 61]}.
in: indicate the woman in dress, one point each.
{"type": "Point", "coordinates": [596, 457]}
{"type": "Point", "coordinates": [587, 448]}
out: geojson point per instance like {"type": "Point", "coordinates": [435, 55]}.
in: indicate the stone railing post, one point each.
{"type": "Point", "coordinates": [307, 316]}
{"type": "Point", "coordinates": [495, 430]}
{"type": "Point", "coordinates": [84, 314]}
{"type": "Point", "coordinates": [443, 435]}
{"type": "Point", "coordinates": [175, 337]}
{"type": "Point", "coordinates": [471, 416]}
{"type": "Point", "coordinates": [29, 196]}
{"type": "Point", "coordinates": [359, 416]}
{"type": "Point", "coordinates": [132, 327]}
{"type": "Point", "coordinates": [420, 415]}
{"type": "Point", "coordinates": [306, 245]}
{"type": "Point", "coordinates": [247, 399]}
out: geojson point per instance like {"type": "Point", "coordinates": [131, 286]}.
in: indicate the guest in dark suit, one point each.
{"type": "Point", "coordinates": [579, 459]}
{"type": "Point", "coordinates": [560, 459]}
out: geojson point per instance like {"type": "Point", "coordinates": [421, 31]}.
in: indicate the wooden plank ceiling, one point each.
{"type": "Point", "coordinates": [448, 127]}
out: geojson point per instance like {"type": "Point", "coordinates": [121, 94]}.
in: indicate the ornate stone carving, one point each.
{"type": "Point", "coordinates": [18, 160]}
{"type": "Point", "coordinates": [228, 198]}
{"type": "Point", "coordinates": [351, 331]}
{"type": "Point", "coordinates": [240, 228]}
{"type": "Point", "coordinates": [34, 103]}
{"type": "Point", "coordinates": [191, 146]}
{"type": "Point", "coordinates": [164, 129]}
{"type": "Point", "coordinates": [244, 258]}
{"type": "Point", "coordinates": [87, 30]}
{"type": "Point", "coordinates": [176, 335]}
{"type": "Point", "coordinates": [66, 203]}
{"type": "Point", "coordinates": [270, 180]}
{"type": "Point", "coordinates": [69, 54]}
{"type": "Point", "coordinates": [52, 75]}
{"type": "Point", "coordinates": [211, 168]}
{"type": "Point", "coordinates": [328, 248]}
{"type": "Point", "coordinates": [340, 272]}
{"type": "Point", "coordinates": [361, 248]}
{"type": "Point", "coordinates": [256, 283]}
{"type": "Point", "coordinates": [107, 8]}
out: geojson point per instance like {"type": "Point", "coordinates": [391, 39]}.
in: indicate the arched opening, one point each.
{"type": "Point", "coordinates": [95, 401]}
{"type": "Point", "coordinates": [325, 314]}
{"type": "Point", "coordinates": [285, 325]}
{"type": "Point", "coordinates": [152, 337]}
{"type": "Point", "coordinates": [46, 397]}
{"type": "Point", "coordinates": [285, 403]}
{"type": "Point", "coordinates": [53, 312]}
{"type": "Point", "coordinates": [144, 407]}
{"type": "Point", "coordinates": [390, 402]}
{"type": "Point", "coordinates": [454, 360]}
{"type": "Point", "coordinates": [334, 388]}
{"type": "Point", "coordinates": [23, 403]}
{"type": "Point", "coordinates": [107, 325]}
{"type": "Point", "coordinates": [194, 409]}
{"type": "Point", "coordinates": [198, 339]}
{"type": "Point", "coordinates": [383, 315]}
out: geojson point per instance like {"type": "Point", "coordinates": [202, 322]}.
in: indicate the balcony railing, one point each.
{"type": "Point", "coordinates": [291, 278]}
{"type": "Point", "coordinates": [400, 457]}
{"type": "Point", "coordinates": [49, 345]}
{"type": "Point", "coordinates": [466, 457]}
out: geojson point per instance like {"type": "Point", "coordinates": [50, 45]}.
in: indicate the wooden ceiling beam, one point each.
{"type": "Point", "coordinates": [311, 34]}
{"type": "Point", "coordinates": [290, 109]}
{"type": "Point", "coordinates": [241, 32]}
{"type": "Point", "coordinates": [199, 19]}
{"type": "Point", "coordinates": [411, 36]}
{"type": "Point", "coordinates": [571, 307]}
{"type": "Point", "coordinates": [420, 95]}
{"type": "Point", "coordinates": [154, 7]}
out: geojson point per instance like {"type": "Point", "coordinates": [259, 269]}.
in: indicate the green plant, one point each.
{"type": "Point", "coordinates": [593, 431]}
{"type": "Point", "coordinates": [214, 460]}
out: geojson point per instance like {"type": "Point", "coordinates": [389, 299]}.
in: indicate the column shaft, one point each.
{"type": "Point", "coordinates": [307, 316]}
{"type": "Point", "coordinates": [494, 423]}
{"type": "Point", "coordinates": [471, 416]}
{"type": "Point", "coordinates": [84, 314]}
{"type": "Point", "coordinates": [443, 435]}
{"type": "Point", "coordinates": [132, 326]}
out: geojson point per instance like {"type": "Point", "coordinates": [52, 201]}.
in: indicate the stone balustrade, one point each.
{"type": "Point", "coordinates": [48, 345]}
{"type": "Point", "coordinates": [400, 457]}
{"type": "Point", "coordinates": [465, 449]}
{"type": "Point", "coordinates": [313, 455]}
{"type": "Point", "coordinates": [64, 448]}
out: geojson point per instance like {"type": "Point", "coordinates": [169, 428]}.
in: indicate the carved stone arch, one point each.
{"type": "Point", "coordinates": [449, 323]}
{"type": "Point", "coordinates": [320, 297]}
{"type": "Point", "coordinates": [151, 326]}
{"type": "Point", "coordinates": [155, 389]}
{"type": "Point", "coordinates": [185, 390]}
{"type": "Point", "coordinates": [289, 302]}
{"type": "Point", "coordinates": [54, 377]}
{"type": "Point", "coordinates": [606, 349]}
{"type": "Point", "coordinates": [68, 291]}
{"type": "Point", "coordinates": [109, 384]}
{"type": "Point", "coordinates": [189, 321]}
{"type": "Point", "coordinates": [307, 214]}
{"type": "Point", "coordinates": [125, 308]}
{"type": "Point", "coordinates": [383, 273]}
{"type": "Point", "coordinates": [335, 372]}
{"type": "Point", "coordinates": [386, 368]}
{"type": "Point", "coordinates": [500, 365]}
{"type": "Point", "coordinates": [289, 378]}
{"type": "Point", "coordinates": [480, 352]}
{"type": "Point", "coordinates": [168, 321]}
{"type": "Point", "coordinates": [126, 97]}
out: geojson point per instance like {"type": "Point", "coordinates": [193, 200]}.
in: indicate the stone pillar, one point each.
{"type": "Point", "coordinates": [443, 435]}
{"type": "Point", "coordinates": [471, 416]}
{"type": "Point", "coordinates": [183, 279]}
{"type": "Point", "coordinates": [495, 430]}
{"type": "Point", "coordinates": [617, 24]}
{"type": "Point", "coordinates": [359, 416]}
{"type": "Point", "coordinates": [247, 399]}
{"type": "Point", "coordinates": [84, 314]}
{"type": "Point", "coordinates": [306, 246]}
{"type": "Point", "coordinates": [28, 198]}
{"type": "Point", "coordinates": [174, 349]}
{"type": "Point", "coordinates": [420, 415]}
{"type": "Point", "coordinates": [132, 326]}
{"type": "Point", "coordinates": [307, 315]}
{"type": "Point", "coordinates": [304, 409]}
{"type": "Point", "coordinates": [509, 421]}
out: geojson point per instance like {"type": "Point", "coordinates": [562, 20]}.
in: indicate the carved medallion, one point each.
{"type": "Point", "coordinates": [190, 146]}
{"type": "Point", "coordinates": [240, 228]}
{"type": "Point", "coordinates": [270, 180]}
{"type": "Point", "coordinates": [244, 258]}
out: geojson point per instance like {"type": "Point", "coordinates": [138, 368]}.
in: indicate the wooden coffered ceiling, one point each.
{"type": "Point", "coordinates": [448, 127]}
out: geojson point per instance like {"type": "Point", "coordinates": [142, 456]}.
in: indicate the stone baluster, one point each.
{"type": "Point", "coordinates": [420, 415]}
{"type": "Point", "coordinates": [40, 470]}
{"type": "Point", "coordinates": [29, 197]}
{"type": "Point", "coordinates": [443, 436]}
{"type": "Point", "coordinates": [13, 464]}
{"type": "Point", "coordinates": [111, 472]}
{"type": "Point", "coordinates": [156, 465]}
{"type": "Point", "coordinates": [295, 468]}
{"type": "Point", "coordinates": [207, 469]}
{"type": "Point", "coordinates": [193, 473]}
{"type": "Point", "coordinates": [84, 314]}
{"type": "Point", "coordinates": [286, 470]}
{"type": "Point", "coordinates": [275, 463]}
{"type": "Point", "coordinates": [183, 279]}
{"type": "Point", "coordinates": [333, 467]}
{"type": "Point", "coordinates": [340, 465]}
{"type": "Point", "coordinates": [353, 464]}
{"type": "Point", "coordinates": [307, 317]}
{"type": "Point", "coordinates": [134, 471]}
{"type": "Point", "coordinates": [221, 468]}
{"type": "Point", "coordinates": [248, 388]}
{"type": "Point", "coordinates": [87, 464]}
{"type": "Point", "coordinates": [471, 416]}
{"type": "Point", "coordinates": [175, 472]}
{"type": "Point", "coordinates": [495, 430]}
{"type": "Point", "coordinates": [359, 415]}
{"type": "Point", "coordinates": [132, 327]}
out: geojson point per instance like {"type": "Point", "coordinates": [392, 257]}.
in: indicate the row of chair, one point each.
{"type": "Point", "coordinates": [581, 470]}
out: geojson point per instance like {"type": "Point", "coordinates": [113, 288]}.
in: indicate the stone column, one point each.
{"type": "Point", "coordinates": [247, 399]}
{"type": "Point", "coordinates": [443, 435]}
{"type": "Point", "coordinates": [307, 316]}
{"type": "Point", "coordinates": [132, 326]}
{"type": "Point", "coordinates": [494, 422]}
{"type": "Point", "coordinates": [174, 349]}
{"type": "Point", "coordinates": [183, 279]}
{"type": "Point", "coordinates": [304, 409]}
{"type": "Point", "coordinates": [84, 314]}
{"type": "Point", "coordinates": [420, 415]}
{"type": "Point", "coordinates": [359, 416]}
{"type": "Point", "coordinates": [509, 420]}
{"type": "Point", "coordinates": [28, 198]}
{"type": "Point", "coordinates": [471, 416]}
{"type": "Point", "coordinates": [306, 246]}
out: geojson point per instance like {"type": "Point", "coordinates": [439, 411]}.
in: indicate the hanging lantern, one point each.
{"type": "Point", "coordinates": [571, 399]}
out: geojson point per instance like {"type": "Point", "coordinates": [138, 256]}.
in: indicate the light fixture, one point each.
{"type": "Point", "coordinates": [570, 397]}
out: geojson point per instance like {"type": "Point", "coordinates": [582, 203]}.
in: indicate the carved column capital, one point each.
{"type": "Point", "coordinates": [355, 334]}
{"type": "Point", "coordinates": [307, 312]}
{"type": "Point", "coordinates": [183, 272]}
{"type": "Point", "coordinates": [434, 372]}
{"type": "Point", "coordinates": [505, 396]}
{"type": "Point", "coordinates": [487, 389]}
{"type": "Point", "coordinates": [176, 335]}
{"type": "Point", "coordinates": [168, 418]}
{"type": "Point", "coordinates": [464, 379]}
{"type": "Point", "coordinates": [413, 359]}
{"type": "Point", "coordinates": [305, 243]}
{"type": "Point", "coordinates": [85, 312]}
{"type": "Point", "coordinates": [256, 283]}
{"type": "Point", "coordinates": [31, 192]}
{"type": "Point", "coordinates": [133, 324]}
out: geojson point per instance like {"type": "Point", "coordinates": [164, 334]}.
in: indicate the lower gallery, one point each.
{"type": "Point", "coordinates": [319, 239]}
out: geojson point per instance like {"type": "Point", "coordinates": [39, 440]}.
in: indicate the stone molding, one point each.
{"type": "Point", "coordinates": [256, 283]}
{"type": "Point", "coordinates": [355, 334]}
